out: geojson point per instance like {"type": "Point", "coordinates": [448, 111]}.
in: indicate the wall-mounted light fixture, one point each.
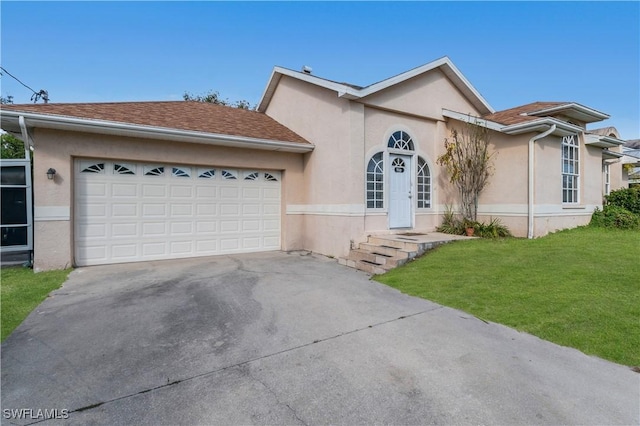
{"type": "Point", "coordinates": [51, 173]}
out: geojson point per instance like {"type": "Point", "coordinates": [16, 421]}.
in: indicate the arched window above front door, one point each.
{"type": "Point", "coordinates": [400, 140]}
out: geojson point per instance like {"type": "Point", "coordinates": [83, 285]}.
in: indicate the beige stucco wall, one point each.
{"type": "Point", "coordinates": [319, 116]}
{"type": "Point", "coordinates": [424, 95]}
{"type": "Point", "coordinates": [53, 200]}
{"type": "Point", "coordinates": [346, 133]}
{"type": "Point", "coordinates": [506, 195]}
{"type": "Point", "coordinates": [331, 205]}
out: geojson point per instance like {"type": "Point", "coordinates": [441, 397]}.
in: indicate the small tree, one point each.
{"type": "Point", "coordinates": [213, 97]}
{"type": "Point", "coordinates": [468, 162]}
{"type": "Point", "coordinates": [11, 146]}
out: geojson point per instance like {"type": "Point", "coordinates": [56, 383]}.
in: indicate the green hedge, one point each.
{"type": "Point", "coordinates": [628, 198]}
{"type": "Point", "coordinates": [615, 217]}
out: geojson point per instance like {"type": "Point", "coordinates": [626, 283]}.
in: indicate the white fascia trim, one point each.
{"type": "Point", "coordinates": [540, 125]}
{"type": "Point", "coordinates": [448, 69]}
{"type": "Point", "coordinates": [277, 73]}
{"type": "Point", "coordinates": [562, 128]}
{"type": "Point", "coordinates": [152, 132]}
{"type": "Point", "coordinates": [572, 105]}
{"type": "Point", "coordinates": [602, 141]}
{"type": "Point", "coordinates": [348, 92]}
{"type": "Point", "coordinates": [268, 91]}
{"type": "Point", "coordinates": [467, 118]}
{"type": "Point", "coordinates": [611, 154]}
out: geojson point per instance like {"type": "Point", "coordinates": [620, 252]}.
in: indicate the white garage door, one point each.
{"type": "Point", "coordinates": [128, 212]}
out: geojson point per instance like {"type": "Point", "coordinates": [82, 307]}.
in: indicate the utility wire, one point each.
{"type": "Point", "coordinates": [36, 95]}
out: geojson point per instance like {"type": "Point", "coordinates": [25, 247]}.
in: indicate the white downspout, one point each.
{"type": "Point", "coordinates": [532, 176]}
{"type": "Point", "coordinates": [27, 155]}
{"type": "Point", "coordinates": [25, 135]}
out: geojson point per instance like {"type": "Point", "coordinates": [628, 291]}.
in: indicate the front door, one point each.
{"type": "Point", "coordinates": [400, 186]}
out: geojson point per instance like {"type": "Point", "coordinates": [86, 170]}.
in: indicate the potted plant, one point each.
{"type": "Point", "coordinates": [469, 227]}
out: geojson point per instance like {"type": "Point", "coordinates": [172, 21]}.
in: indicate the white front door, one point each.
{"type": "Point", "coordinates": [400, 191]}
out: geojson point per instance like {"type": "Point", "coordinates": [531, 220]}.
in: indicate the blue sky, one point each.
{"type": "Point", "coordinates": [512, 52]}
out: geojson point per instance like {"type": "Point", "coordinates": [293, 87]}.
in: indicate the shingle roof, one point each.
{"type": "Point", "coordinates": [516, 115]}
{"type": "Point", "coordinates": [180, 115]}
{"type": "Point", "coordinates": [633, 144]}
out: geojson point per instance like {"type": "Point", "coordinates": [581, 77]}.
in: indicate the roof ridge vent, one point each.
{"type": "Point", "coordinates": [307, 69]}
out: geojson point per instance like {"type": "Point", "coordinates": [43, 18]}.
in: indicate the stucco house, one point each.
{"type": "Point", "coordinates": [319, 166]}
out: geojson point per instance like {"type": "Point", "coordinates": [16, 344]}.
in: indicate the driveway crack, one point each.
{"type": "Point", "coordinates": [249, 361]}
{"type": "Point", "coordinates": [275, 395]}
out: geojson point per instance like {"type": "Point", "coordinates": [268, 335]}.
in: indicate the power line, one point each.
{"type": "Point", "coordinates": [36, 95]}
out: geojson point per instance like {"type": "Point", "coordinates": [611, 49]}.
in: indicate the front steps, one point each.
{"type": "Point", "coordinates": [384, 252]}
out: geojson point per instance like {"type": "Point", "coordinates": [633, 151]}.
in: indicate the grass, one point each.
{"type": "Point", "coordinates": [21, 291]}
{"type": "Point", "coordinates": [578, 288]}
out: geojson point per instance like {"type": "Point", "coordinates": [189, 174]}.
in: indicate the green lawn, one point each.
{"type": "Point", "coordinates": [21, 291]}
{"type": "Point", "coordinates": [578, 288]}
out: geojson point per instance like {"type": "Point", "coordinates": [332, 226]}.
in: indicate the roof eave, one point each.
{"type": "Point", "coordinates": [348, 92]}
{"type": "Point", "coordinates": [562, 128]}
{"type": "Point", "coordinates": [468, 118]}
{"type": "Point", "coordinates": [277, 74]}
{"type": "Point", "coordinates": [56, 122]}
{"type": "Point", "coordinates": [541, 125]}
{"type": "Point", "coordinates": [602, 141]}
{"type": "Point", "coordinates": [581, 112]}
{"type": "Point", "coordinates": [611, 156]}
{"type": "Point", "coordinates": [630, 159]}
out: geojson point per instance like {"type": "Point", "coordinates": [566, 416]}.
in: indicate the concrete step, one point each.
{"type": "Point", "coordinates": [384, 252]}
{"type": "Point", "coordinates": [398, 242]}
{"type": "Point", "coordinates": [368, 266]}
{"type": "Point", "coordinates": [388, 250]}
{"type": "Point", "coordinates": [384, 260]}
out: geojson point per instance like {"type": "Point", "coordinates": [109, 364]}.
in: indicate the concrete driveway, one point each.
{"type": "Point", "coordinates": [277, 338]}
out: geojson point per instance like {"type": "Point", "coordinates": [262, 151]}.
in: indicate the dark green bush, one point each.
{"type": "Point", "coordinates": [615, 217]}
{"type": "Point", "coordinates": [453, 225]}
{"type": "Point", "coordinates": [494, 229]}
{"type": "Point", "coordinates": [627, 198]}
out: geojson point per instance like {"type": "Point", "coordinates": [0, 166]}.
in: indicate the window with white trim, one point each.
{"type": "Point", "coordinates": [400, 140]}
{"type": "Point", "coordinates": [226, 174]}
{"type": "Point", "coordinates": [375, 182]}
{"type": "Point", "coordinates": [270, 178]}
{"type": "Point", "coordinates": [92, 167]}
{"type": "Point", "coordinates": [423, 185]}
{"type": "Point", "coordinates": [181, 171]}
{"type": "Point", "coordinates": [606, 171]}
{"type": "Point", "coordinates": [206, 173]}
{"type": "Point", "coordinates": [153, 170]}
{"type": "Point", "coordinates": [570, 169]}
{"type": "Point", "coordinates": [123, 169]}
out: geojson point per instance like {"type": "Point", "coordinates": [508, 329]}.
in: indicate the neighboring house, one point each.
{"type": "Point", "coordinates": [319, 166]}
{"type": "Point", "coordinates": [631, 159]}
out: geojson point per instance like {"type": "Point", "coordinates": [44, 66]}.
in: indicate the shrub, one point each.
{"type": "Point", "coordinates": [494, 229]}
{"type": "Point", "coordinates": [615, 217]}
{"type": "Point", "coordinates": [627, 198]}
{"type": "Point", "coordinates": [453, 225]}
